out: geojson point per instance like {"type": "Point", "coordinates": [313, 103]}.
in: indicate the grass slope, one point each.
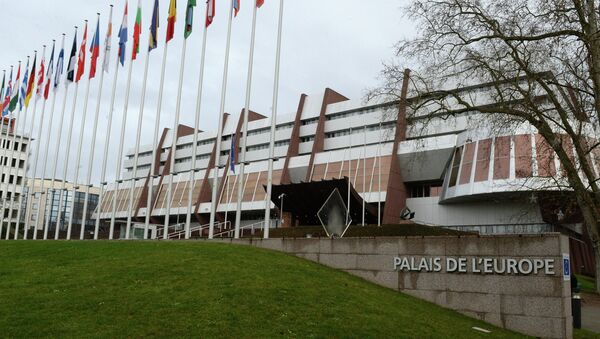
{"type": "Point", "coordinates": [185, 289]}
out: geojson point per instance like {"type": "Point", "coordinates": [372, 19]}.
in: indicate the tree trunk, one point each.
{"type": "Point", "coordinates": [597, 259]}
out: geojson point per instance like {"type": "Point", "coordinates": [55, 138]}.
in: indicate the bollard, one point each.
{"type": "Point", "coordinates": [576, 307]}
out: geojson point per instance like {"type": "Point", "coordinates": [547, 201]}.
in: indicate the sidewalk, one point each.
{"type": "Point", "coordinates": [590, 312]}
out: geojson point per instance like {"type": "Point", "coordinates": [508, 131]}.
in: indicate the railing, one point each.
{"type": "Point", "coordinates": [252, 227]}
{"type": "Point", "coordinates": [179, 234]}
{"type": "Point", "coordinates": [505, 229]}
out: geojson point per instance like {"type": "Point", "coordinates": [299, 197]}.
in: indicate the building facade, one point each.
{"type": "Point", "coordinates": [449, 172]}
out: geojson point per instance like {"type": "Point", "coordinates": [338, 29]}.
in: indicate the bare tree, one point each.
{"type": "Point", "coordinates": [541, 59]}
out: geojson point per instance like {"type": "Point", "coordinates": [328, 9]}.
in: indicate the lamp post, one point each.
{"type": "Point", "coordinates": [281, 196]}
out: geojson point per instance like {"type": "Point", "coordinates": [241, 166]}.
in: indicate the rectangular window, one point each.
{"type": "Point", "coordinates": [455, 167]}
{"type": "Point", "coordinates": [502, 158]}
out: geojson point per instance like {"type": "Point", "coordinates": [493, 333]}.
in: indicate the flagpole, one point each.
{"type": "Point", "coordinates": [214, 202]}
{"type": "Point", "coordinates": [66, 159]}
{"type": "Point", "coordinates": [192, 178]}
{"type": "Point", "coordinates": [37, 152]}
{"type": "Point", "coordinates": [174, 141]}
{"type": "Point", "coordinates": [155, 146]}
{"type": "Point", "coordinates": [42, 193]}
{"type": "Point", "coordinates": [349, 174]}
{"type": "Point", "coordinates": [273, 125]}
{"type": "Point", "coordinates": [364, 173]}
{"type": "Point", "coordinates": [121, 142]}
{"type": "Point", "coordinates": [88, 181]}
{"type": "Point", "coordinates": [379, 178]}
{"type": "Point", "coordinates": [106, 144]}
{"type": "Point", "coordinates": [4, 142]}
{"type": "Point", "coordinates": [240, 195]}
{"type": "Point", "coordinates": [137, 147]}
{"type": "Point", "coordinates": [12, 156]}
{"type": "Point", "coordinates": [60, 127]}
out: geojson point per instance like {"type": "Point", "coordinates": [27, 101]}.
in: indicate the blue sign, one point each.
{"type": "Point", "coordinates": [566, 267]}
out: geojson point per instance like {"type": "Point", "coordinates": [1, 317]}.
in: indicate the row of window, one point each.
{"type": "Point", "coordinates": [4, 162]}
{"type": "Point", "coordinates": [5, 144]}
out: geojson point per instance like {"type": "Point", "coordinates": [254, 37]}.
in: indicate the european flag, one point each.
{"type": "Point", "coordinates": [152, 44]}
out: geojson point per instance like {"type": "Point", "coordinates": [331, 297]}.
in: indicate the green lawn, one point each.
{"type": "Point", "coordinates": [588, 284]}
{"type": "Point", "coordinates": [191, 289]}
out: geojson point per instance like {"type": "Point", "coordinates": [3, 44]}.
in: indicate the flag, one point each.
{"type": "Point", "coordinates": [236, 7]}
{"type": "Point", "coordinates": [232, 154]}
{"type": "Point", "coordinates": [259, 3]}
{"type": "Point", "coordinates": [2, 91]}
{"type": "Point", "coordinates": [40, 83]}
{"type": "Point", "coordinates": [210, 12]}
{"type": "Point", "coordinates": [71, 65]}
{"type": "Point", "coordinates": [30, 84]}
{"type": "Point", "coordinates": [81, 57]}
{"type": "Point", "coordinates": [14, 92]}
{"type": "Point", "coordinates": [6, 101]}
{"type": "Point", "coordinates": [123, 37]}
{"type": "Point", "coordinates": [153, 41]}
{"type": "Point", "coordinates": [23, 90]}
{"type": "Point", "coordinates": [50, 71]}
{"type": "Point", "coordinates": [59, 65]}
{"type": "Point", "coordinates": [137, 30]}
{"type": "Point", "coordinates": [95, 50]}
{"type": "Point", "coordinates": [171, 19]}
{"type": "Point", "coordinates": [189, 18]}
{"type": "Point", "coordinates": [107, 43]}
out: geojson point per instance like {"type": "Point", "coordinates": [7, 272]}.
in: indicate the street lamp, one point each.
{"type": "Point", "coordinates": [281, 196]}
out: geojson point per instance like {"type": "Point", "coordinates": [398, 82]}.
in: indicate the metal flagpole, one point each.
{"type": "Point", "coordinates": [155, 146]}
{"type": "Point", "coordinates": [17, 160]}
{"type": "Point", "coordinates": [214, 202]}
{"type": "Point", "coordinates": [88, 180]}
{"type": "Point", "coordinates": [243, 141]}
{"type": "Point", "coordinates": [66, 159]}
{"type": "Point", "coordinates": [55, 161]}
{"type": "Point", "coordinates": [137, 147]}
{"type": "Point", "coordinates": [78, 159]}
{"type": "Point", "coordinates": [37, 153]}
{"type": "Point", "coordinates": [5, 138]}
{"type": "Point", "coordinates": [174, 142]}
{"type": "Point", "coordinates": [121, 142]}
{"type": "Point", "coordinates": [106, 144]}
{"type": "Point", "coordinates": [273, 126]}
{"type": "Point", "coordinates": [349, 173]}
{"type": "Point", "coordinates": [25, 165]}
{"type": "Point", "coordinates": [364, 173]}
{"type": "Point", "coordinates": [188, 218]}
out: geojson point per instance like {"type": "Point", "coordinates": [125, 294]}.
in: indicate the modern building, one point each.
{"type": "Point", "coordinates": [452, 172]}
{"type": "Point", "coordinates": [14, 150]}
{"type": "Point", "coordinates": [45, 203]}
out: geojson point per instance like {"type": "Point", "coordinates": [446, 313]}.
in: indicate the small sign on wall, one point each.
{"type": "Point", "coordinates": [566, 267]}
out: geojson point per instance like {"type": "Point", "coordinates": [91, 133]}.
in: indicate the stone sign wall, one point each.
{"type": "Point", "coordinates": [515, 282]}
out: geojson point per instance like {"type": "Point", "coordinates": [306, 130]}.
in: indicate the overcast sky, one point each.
{"type": "Point", "coordinates": [326, 43]}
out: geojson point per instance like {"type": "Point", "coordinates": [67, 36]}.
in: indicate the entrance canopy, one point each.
{"type": "Point", "coordinates": [303, 200]}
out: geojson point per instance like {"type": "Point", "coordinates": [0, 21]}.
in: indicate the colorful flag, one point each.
{"type": "Point", "coordinates": [50, 71]}
{"type": "Point", "coordinates": [14, 92]}
{"type": "Point", "coordinates": [153, 41]}
{"type": "Point", "coordinates": [95, 50]}
{"type": "Point", "coordinates": [23, 90]}
{"type": "Point", "coordinates": [30, 83]}
{"type": "Point", "coordinates": [210, 12]}
{"type": "Point", "coordinates": [260, 3]}
{"type": "Point", "coordinates": [6, 100]}
{"type": "Point", "coordinates": [40, 83]}
{"type": "Point", "coordinates": [59, 65]}
{"type": "Point", "coordinates": [137, 30]}
{"type": "Point", "coordinates": [7, 94]}
{"type": "Point", "coordinates": [232, 154]}
{"type": "Point", "coordinates": [107, 44]}
{"type": "Point", "coordinates": [123, 37]}
{"type": "Point", "coordinates": [236, 7]}
{"type": "Point", "coordinates": [171, 19]}
{"type": "Point", "coordinates": [81, 57]}
{"type": "Point", "coordinates": [71, 65]}
{"type": "Point", "coordinates": [2, 91]}
{"type": "Point", "coordinates": [189, 18]}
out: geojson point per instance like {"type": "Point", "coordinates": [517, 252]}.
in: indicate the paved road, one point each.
{"type": "Point", "coordinates": [590, 312]}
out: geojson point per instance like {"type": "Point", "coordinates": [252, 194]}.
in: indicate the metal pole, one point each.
{"type": "Point", "coordinates": [364, 173]}
{"type": "Point", "coordinates": [174, 142]}
{"type": "Point", "coordinates": [243, 141]}
{"type": "Point", "coordinates": [4, 147]}
{"type": "Point", "coordinates": [349, 174]}
{"type": "Point", "coordinates": [273, 126]}
{"type": "Point", "coordinates": [379, 178]}
{"type": "Point", "coordinates": [188, 219]}
{"type": "Point", "coordinates": [214, 202]}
